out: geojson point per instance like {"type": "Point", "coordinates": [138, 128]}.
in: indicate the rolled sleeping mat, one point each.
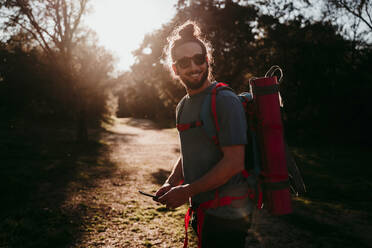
{"type": "Point", "coordinates": [275, 181]}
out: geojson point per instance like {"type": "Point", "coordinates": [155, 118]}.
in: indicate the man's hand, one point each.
{"type": "Point", "coordinates": [176, 196]}
{"type": "Point", "coordinates": [162, 190]}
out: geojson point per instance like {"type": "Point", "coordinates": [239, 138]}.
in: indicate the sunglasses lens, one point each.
{"type": "Point", "coordinates": [184, 62]}
{"type": "Point", "coordinates": [199, 59]}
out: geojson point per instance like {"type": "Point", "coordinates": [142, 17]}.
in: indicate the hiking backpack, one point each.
{"type": "Point", "coordinates": [267, 157]}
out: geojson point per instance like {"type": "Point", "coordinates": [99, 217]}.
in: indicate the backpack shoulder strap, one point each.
{"type": "Point", "coordinates": [208, 112]}
{"type": "Point", "coordinates": [183, 127]}
{"type": "Point", "coordinates": [215, 90]}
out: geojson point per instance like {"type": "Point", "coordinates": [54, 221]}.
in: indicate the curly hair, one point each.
{"type": "Point", "coordinates": [187, 32]}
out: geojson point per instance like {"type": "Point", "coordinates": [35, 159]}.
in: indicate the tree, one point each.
{"type": "Point", "coordinates": [54, 24]}
{"type": "Point", "coordinates": [228, 27]}
{"type": "Point", "coordinates": [361, 9]}
{"type": "Point", "coordinates": [354, 19]}
{"type": "Point", "coordinates": [18, 93]}
{"type": "Point", "coordinates": [55, 27]}
{"type": "Point", "coordinates": [318, 62]}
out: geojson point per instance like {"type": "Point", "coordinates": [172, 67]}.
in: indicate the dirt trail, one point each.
{"type": "Point", "coordinates": [79, 195]}
{"type": "Point", "coordinates": [116, 214]}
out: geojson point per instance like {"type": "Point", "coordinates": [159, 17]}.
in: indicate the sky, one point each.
{"type": "Point", "coordinates": [121, 24]}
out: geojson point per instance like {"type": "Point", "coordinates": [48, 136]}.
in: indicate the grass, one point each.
{"type": "Point", "coordinates": [337, 176]}
{"type": "Point", "coordinates": [38, 167]}
{"type": "Point", "coordinates": [335, 212]}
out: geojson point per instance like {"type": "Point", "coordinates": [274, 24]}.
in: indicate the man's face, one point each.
{"type": "Point", "coordinates": [191, 65]}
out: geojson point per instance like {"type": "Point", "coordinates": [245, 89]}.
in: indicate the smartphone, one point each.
{"type": "Point", "coordinates": [147, 194]}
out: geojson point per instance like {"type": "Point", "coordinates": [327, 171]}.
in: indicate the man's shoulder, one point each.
{"type": "Point", "coordinates": [227, 92]}
{"type": "Point", "coordinates": [224, 91]}
{"type": "Point", "coordinates": [227, 95]}
{"type": "Point", "coordinates": [227, 100]}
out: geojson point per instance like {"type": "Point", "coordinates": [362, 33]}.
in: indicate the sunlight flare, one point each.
{"type": "Point", "coordinates": [122, 25]}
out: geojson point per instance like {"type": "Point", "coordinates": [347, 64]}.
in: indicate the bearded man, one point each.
{"type": "Point", "coordinates": [205, 172]}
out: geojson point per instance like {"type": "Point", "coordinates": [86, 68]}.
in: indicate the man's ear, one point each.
{"type": "Point", "coordinates": [174, 67]}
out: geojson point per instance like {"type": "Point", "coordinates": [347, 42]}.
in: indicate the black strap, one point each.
{"type": "Point", "coordinates": [265, 90]}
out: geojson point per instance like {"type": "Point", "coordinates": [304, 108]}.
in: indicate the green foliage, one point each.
{"type": "Point", "coordinates": [32, 88]}
{"type": "Point", "coordinates": [66, 72]}
{"type": "Point", "coordinates": [326, 75]}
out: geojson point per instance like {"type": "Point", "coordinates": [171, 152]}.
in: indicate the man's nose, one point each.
{"type": "Point", "coordinates": [193, 65]}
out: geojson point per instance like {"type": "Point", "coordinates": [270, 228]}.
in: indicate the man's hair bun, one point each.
{"type": "Point", "coordinates": [187, 32]}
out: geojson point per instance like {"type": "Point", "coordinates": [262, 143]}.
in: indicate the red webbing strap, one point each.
{"type": "Point", "coordinates": [200, 212]}
{"type": "Point", "coordinates": [245, 174]}
{"type": "Point", "coordinates": [184, 127]}
{"type": "Point", "coordinates": [259, 191]}
{"type": "Point", "coordinates": [215, 140]}
{"type": "Point", "coordinates": [187, 221]}
{"type": "Point", "coordinates": [213, 104]}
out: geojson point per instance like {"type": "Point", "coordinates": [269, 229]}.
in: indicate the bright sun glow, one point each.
{"type": "Point", "coordinates": [121, 25]}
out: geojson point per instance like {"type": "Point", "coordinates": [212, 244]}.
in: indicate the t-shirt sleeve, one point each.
{"type": "Point", "coordinates": [231, 119]}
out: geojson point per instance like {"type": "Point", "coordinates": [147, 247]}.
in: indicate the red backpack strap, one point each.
{"type": "Point", "coordinates": [217, 201]}
{"type": "Point", "coordinates": [214, 106]}
{"type": "Point", "coordinates": [187, 222]}
{"type": "Point", "coordinates": [184, 127]}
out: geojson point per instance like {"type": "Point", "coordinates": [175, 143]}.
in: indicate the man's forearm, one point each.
{"type": "Point", "coordinates": [231, 164]}
{"type": "Point", "coordinates": [176, 176]}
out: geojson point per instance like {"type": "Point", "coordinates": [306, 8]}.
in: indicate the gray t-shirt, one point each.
{"type": "Point", "coordinates": [200, 154]}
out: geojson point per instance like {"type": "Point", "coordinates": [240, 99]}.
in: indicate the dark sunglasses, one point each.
{"type": "Point", "coordinates": [185, 62]}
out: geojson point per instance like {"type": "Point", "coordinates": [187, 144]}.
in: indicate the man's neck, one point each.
{"type": "Point", "coordinates": [192, 92]}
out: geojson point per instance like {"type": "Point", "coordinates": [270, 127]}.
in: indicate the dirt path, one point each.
{"type": "Point", "coordinates": [59, 193]}
{"type": "Point", "coordinates": [116, 214]}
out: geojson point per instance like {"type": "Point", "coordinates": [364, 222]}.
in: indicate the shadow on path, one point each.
{"type": "Point", "coordinates": [160, 176]}
{"type": "Point", "coordinates": [42, 170]}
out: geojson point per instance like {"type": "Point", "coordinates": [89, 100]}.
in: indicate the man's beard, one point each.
{"type": "Point", "coordinates": [194, 86]}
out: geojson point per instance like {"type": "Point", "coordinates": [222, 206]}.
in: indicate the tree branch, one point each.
{"type": "Point", "coordinates": [58, 19]}
{"type": "Point", "coordinates": [34, 35]}
{"type": "Point", "coordinates": [83, 4]}
{"type": "Point", "coordinates": [368, 14]}
{"type": "Point", "coordinates": [66, 23]}
{"type": "Point", "coordinates": [28, 13]}
{"type": "Point", "coordinates": [345, 6]}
